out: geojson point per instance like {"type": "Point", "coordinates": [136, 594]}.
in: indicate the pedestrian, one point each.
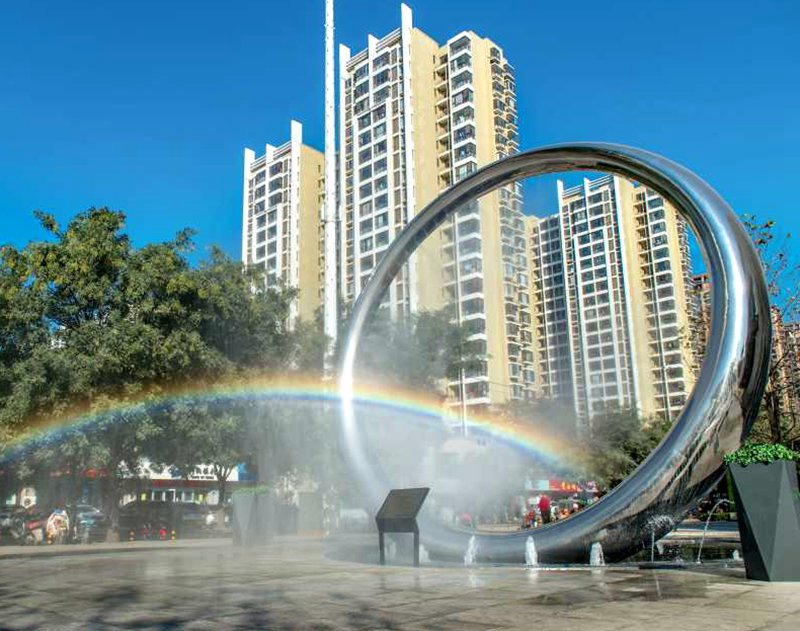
{"type": "Point", "coordinates": [530, 518]}
{"type": "Point", "coordinates": [544, 509]}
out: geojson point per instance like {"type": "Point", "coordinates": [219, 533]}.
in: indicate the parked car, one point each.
{"type": "Point", "coordinates": [354, 520]}
{"type": "Point", "coordinates": [153, 520]}
{"type": "Point", "coordinates": [89, 524]}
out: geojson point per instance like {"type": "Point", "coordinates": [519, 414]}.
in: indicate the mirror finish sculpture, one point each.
{"type": "Point", "coordinates": [717, 416]}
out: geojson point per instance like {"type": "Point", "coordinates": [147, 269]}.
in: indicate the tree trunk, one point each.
{"type": "Point", "coordinates": [222, 482]}
{"type": "Point", "coordinates": [774, 416]}
{"type": "Point", "coordinates": [111, 494]}
{"type": "Point", "coordinates": [5, 487]}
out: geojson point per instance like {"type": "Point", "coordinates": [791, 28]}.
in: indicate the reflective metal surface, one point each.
{"type": "Point", "coordinates": [717, 416]}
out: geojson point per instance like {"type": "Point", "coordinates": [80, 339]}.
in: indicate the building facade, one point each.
{"type": "Point", "coordinates": [281, 219]}
{"type": "Point", "coordinates": [784, 375]}
{"type": "Point", "coordinates": [415, 117]}
{"type": "Point", "coordinates": [610, 286]}
{"type": "Point", "coordinates": [592, 306]}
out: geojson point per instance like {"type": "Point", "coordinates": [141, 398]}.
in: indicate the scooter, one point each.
{"type": "Point", "coordinates": [57, 526]}
{"type": "Point", "coordinates": [28, 527]}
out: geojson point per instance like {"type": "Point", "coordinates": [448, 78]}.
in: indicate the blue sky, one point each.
{"type": "Point", "coordinates": [146, 106]}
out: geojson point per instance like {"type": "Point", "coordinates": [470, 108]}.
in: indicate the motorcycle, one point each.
{"type": "Point", "coordinates": [28, 527]}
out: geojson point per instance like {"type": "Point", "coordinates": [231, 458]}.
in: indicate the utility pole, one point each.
{"type": "Point", "coordinates": [330, 293]}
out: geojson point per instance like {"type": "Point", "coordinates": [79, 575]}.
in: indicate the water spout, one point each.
{"type": "Point", "coordinates": [391, 549]}
{"type": "Point", "coordinates": [531, 558]}
{"type": "Point", "coordinates": [424, 557]}
{"type": "Point", "coordinates": [596, 555]}
{"type": "Point", "coordinates": [705, 529]}
{"type": "Point", "coordinates": [472, 551]}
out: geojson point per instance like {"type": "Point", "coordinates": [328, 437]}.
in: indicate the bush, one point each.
{"type": "Point", "coordinates": [252, 490]}
{"type": "Point", "coordinates": [751, 453]}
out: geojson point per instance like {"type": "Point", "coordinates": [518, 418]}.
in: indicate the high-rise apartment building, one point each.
{"type": "Point", "coordinates": [700, 311]}
{"type": "Point", "coordinates": [416, 116]}
{"type": "Point", "coordinates": [387, 172]}
{"type": "Point", "coordinates": [790, 344]}
{"type": "Point", "coordinates": [783, 385]}
{"type": "Point", "coordinates": [483, 244]}
{"type": "Point", "coordinates": [281, 219]}
{"type": "Point", "coordinates": [610, 286]}
{"type": "Point", "coordinates": [591, 306]}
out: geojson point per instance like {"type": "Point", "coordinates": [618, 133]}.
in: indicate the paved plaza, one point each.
{"type": "Point", "coordinates": [294, 584]}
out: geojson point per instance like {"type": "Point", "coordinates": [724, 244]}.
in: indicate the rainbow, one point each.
{"type": "Point", "coordinates": [521, 435]}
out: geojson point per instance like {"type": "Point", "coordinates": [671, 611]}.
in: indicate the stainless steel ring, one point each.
{"type": "Point", "coordinates": [718, 414]}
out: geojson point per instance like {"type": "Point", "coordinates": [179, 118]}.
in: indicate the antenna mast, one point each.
{"type": "Point", "coordinates": [330, 297]}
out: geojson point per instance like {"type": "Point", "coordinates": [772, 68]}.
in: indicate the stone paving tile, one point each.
{"type": "Point", "coordinates": [568, 623]}
{"type": "Point", "coordinates": [292, 586]}
{"type": "Point", "coordinates": [787, 623]}
{"type": "Point", "coordinates": [694, 623]}
{"type": "Point", "coordinates": [509, 614]}
{"type": "Point", "coordinates": [764, 600]}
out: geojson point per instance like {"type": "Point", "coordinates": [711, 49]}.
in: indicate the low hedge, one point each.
{"type": "Point", "coordinates": [763, 453]}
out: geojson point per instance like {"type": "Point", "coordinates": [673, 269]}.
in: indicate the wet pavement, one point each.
{"type": "Point", "coordinates": [291, 584]}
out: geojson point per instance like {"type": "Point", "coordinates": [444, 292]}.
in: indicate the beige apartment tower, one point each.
{"type": "Point", "coordinates": [415, 117]}
{"type": "Point", "coordinates": [612, 298]}
{"type": "Point", "coordinates": [281, 215]}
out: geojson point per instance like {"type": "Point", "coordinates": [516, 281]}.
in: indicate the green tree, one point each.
{"type": "Point", "coordinates": [617, 443]}
{"type": "Point", "coordinates": [417, 352]}
{"type": "Point", "coordinates": [90, 324]}
{"type": "Point", "coordinates": [779, 421]}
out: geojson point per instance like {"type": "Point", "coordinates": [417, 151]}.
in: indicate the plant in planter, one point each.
{"type": "Point", "coordinates": [252, 515]}
{"type": "Point", "coordinates": [765, 487]}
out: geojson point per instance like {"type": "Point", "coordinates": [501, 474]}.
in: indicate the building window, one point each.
{"type": "Point", "coordinates": [381, 221]}
{"type": "Point", "coordinates": [459, 45]}
{"type": "Point", "coordinates": [461, 80]}
{"type": "Point", "coordinates": [380, 78]}
{"type": "Point", "coordinates": [381, 61]}
{"type": "Point", "coordinates": [464, 170]}
{"type": "Point", "coordinates": [361, 89]}
{"type": "Point", "coordinates": [466, 151]}
{"type": "Point", "coordinates": [464, 133]}
{"type": "Point", "coordinates": [381, 239]}
{"type": "Point", "coordinates": [464, 115]}
{"type": "Point", "coordinates": [465, 96]}
{"type": "Point", "coordinates": [361, 72]}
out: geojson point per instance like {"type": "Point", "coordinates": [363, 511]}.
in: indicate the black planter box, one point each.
{"type": "Point", "coordinates": [768, 511]}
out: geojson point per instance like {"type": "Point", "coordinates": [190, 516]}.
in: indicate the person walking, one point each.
{"type": "Point", "coordinates": [544, 509]}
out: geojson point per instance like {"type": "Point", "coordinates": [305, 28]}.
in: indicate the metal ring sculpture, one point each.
{"type": "Point", "coordinates": [718, 414]}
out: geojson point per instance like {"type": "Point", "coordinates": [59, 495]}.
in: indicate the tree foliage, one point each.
{"type": "Point", "coordinates": [779, 421]}
{"type": "Point", "coordinates": [617, 443]}
{"type": "Point", "coordinates": [89, 323]}
{"type": "Point", "coordinates": [417, 353]}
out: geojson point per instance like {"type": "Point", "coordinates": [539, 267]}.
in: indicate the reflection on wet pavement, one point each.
{"type": "Point", "coordinates": [292, 585]}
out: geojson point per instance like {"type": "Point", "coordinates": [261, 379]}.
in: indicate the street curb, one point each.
{"type": "Point", "coordinates": [48, 552]}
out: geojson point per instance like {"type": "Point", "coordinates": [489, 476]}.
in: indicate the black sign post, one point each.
{"type": "Point", "coordinates": [399, 514]}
